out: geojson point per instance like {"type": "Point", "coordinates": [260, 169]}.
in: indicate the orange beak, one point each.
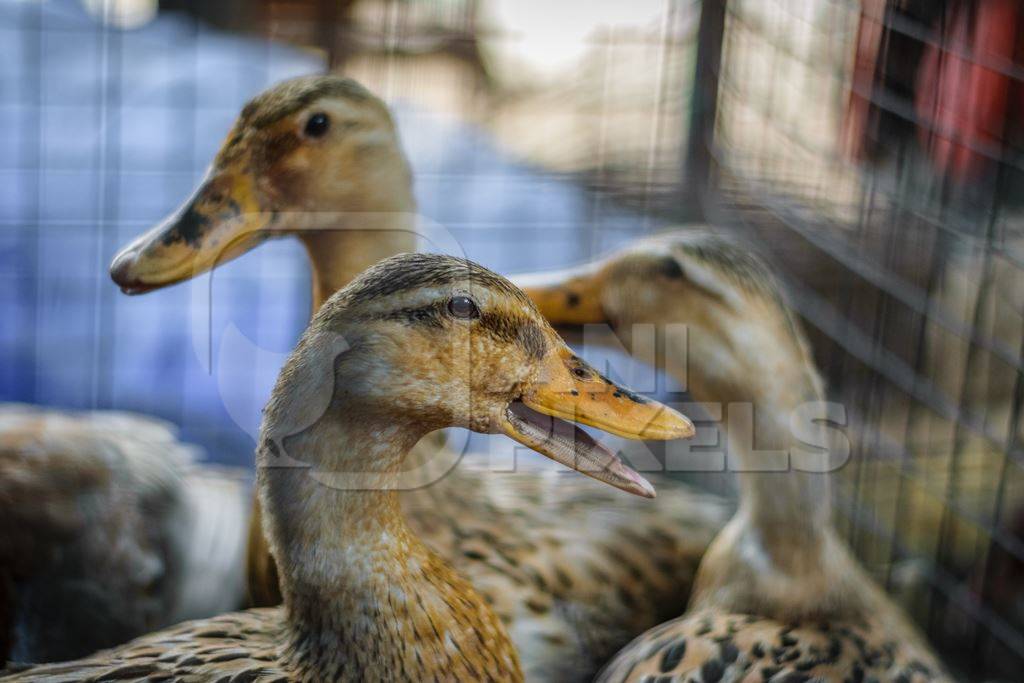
{"type": "Point", "coordinates": [567, 391]}
{"type": "Point", "coordinates": [220, 221]}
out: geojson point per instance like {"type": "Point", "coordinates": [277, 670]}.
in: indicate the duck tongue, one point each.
{"type": "Point", "coordinates": [565, 443]}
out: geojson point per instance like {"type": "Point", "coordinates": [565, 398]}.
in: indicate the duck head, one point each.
{"type": "Point", "coordinates": [738, 324]}
{"type": "Point", "coordinates": [316, 153]}
{"type": "Point", "coordinates": [432, 341]}
{"type": "Point", "coordinates": [748, 343]}
{"type": "Point", "coordinates": [653, 279]}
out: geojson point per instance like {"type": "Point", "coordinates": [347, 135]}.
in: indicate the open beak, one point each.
{"type": "Point", "coordinates": [220, 221]}
{"type": "Point", "coordinates": [566, 297]}
{"type": "Point", "coordinates": [568, 391]}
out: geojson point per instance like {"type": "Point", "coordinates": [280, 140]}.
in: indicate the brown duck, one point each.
{"type": "Point", "coordinates": [778, 596]}
{"type": "Point", "coordinates": [573, 571]}
{"type": "Point", "coordinates": [106, 520]}
{"type": "Point", "coordinates": [416, 344]}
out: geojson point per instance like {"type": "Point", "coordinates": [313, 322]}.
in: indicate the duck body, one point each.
{"type": "Point", "coordinates": [568, 601]}
{"type": "Point", "coordinates": [548, 607]}
{"type": "Point", "coordinates": [831, 625]}
{"type": "Point", "coordinates": [246, 644]}
{"type": "Point", "coordinates": [364, 597]}
{"type": "Point", "coordinates": [778, 596]}
{"type": "Point", "coordinates": [717, 646]}
{"type": "Point", "coordinates": [99, 511]}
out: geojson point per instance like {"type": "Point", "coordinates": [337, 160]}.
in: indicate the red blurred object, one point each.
{"type": "Point", "coordinates": [963, 90]}
{"type": "Point", "coordinates": [856, 123]}
{"type": "Point", "coordinates": [947, 74]}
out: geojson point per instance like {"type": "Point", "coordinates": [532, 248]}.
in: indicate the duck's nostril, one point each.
{"type": "Point", "coordinates": [581, 373]}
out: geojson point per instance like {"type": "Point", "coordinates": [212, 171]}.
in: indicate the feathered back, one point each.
{"type": "Point", "coordinates": [94, 526]}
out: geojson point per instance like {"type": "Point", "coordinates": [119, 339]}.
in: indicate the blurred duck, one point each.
{"type": "Point", "coordinates": [573, 571]}
{"type": "Point", "coordinates": [107, 529]}
{"type": "Point", "coordinates": [778, 595]}
{"type": "Point", "coordinates": [429, 342]}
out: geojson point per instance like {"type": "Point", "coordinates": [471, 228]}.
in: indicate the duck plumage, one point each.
{"type": "Point", "coordinates": [364, 598]}
{"type": "Point", "coordinates": [568, 600]}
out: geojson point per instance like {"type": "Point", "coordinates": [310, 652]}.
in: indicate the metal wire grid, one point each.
{"type": "Point", "coordinates": [105, 131]}
{"type": "Point", "coordinates": [912, 286]}
{"type": "Point", "coordinates": [910, 291]}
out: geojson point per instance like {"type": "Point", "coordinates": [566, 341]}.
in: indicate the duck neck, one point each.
{"type": "Point", "coordinates": [784, 488]}
{"type": "Point", "coordinates": [778, 556]}
{"type": "Point", "coordinates": [758, 369]}
{"type": "Point", "coordinates": [354, 243]}
{"type": "Point", "coordinates": [364, 597]}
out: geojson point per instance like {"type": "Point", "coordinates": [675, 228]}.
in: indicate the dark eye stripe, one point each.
{"type": "Point", "coordinates": [424, 315]}
{"type": "Point", "coordinates": [503, 327]}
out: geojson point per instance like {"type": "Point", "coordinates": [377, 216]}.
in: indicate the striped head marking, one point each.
{"type": "Point", "coordinates": [310, 153]}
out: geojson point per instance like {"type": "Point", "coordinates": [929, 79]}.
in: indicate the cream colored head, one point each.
{"type": "Point", "coordinates": [421, 342]}
{"type": "Point", "coordinates": [741, 343]}
{"type": "Point", "coordinates": [317, 153]}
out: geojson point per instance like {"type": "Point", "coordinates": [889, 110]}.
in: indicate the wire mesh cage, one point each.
{"type": "Point", "coordinates": [874, 149]}
{"type": "Point", "coordinates": [827, 132]}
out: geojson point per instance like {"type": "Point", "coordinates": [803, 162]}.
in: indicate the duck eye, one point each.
{"type": "Point", "coordinates": [317, 125]}
{"type": "Point", "coordinates": [463, 307]}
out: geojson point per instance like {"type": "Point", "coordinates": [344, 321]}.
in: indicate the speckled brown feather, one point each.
{"type": "Point", "coordinates": [778, 597]}
{"type": "Point", "coordinates": [243, 646]}
{"type": "Point", "coordinates": [551, 586]}
{"type": "Point", "coordinates": [711, 647]}
{"type": "Point", "coordinates": [527, 543]}
{"type": "Point", "coordinates": [572, 575]}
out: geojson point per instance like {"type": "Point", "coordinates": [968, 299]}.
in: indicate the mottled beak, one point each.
{"type": "Point", "coordinates": [220, 221]}
{"type": "Point", "coordinates": [566, 297]}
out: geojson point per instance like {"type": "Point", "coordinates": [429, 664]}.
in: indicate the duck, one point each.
{"type": "Point", "coordinates": [417, 343]}
{"type": "Point", "coordinates": [778, 596]}
{"type": "Point", "coordinates": [108, 518]}
{"type": "Point", "coordinates": [319, 158]}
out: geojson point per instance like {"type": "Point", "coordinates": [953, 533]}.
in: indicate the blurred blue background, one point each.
{"type": "Point", "coordinates": [104, 131]}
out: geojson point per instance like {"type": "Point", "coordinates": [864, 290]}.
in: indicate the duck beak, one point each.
{"type": "Point", "coordinates": [220, 221]}
{"type": "Point", "coordinates": [566, 297]}
{"type": "Point", "coordinates": [568, 391]}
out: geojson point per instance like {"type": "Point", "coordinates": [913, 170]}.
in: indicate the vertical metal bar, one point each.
{"type": "Point", "coordinates": [875, 395]}
{"type": "Point", "coordinates": [697, 179]}
{"type": "Point", "coordinates": [328, 16]}
{"type": "Point", "coordinates": [1012, 438]}
{"type": "Point", "coordinates": [108, 178]}
{"type": "Point", "coordinates": [916, 411]}
{"type": "Point", "coordinates": [988, 571]}
{"type": "Point", "coordinates": [186, 128]}
{"type": "Point", "coordinates": [31, 157]}
{"type": "Point", "coordinates": [945, 549]}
